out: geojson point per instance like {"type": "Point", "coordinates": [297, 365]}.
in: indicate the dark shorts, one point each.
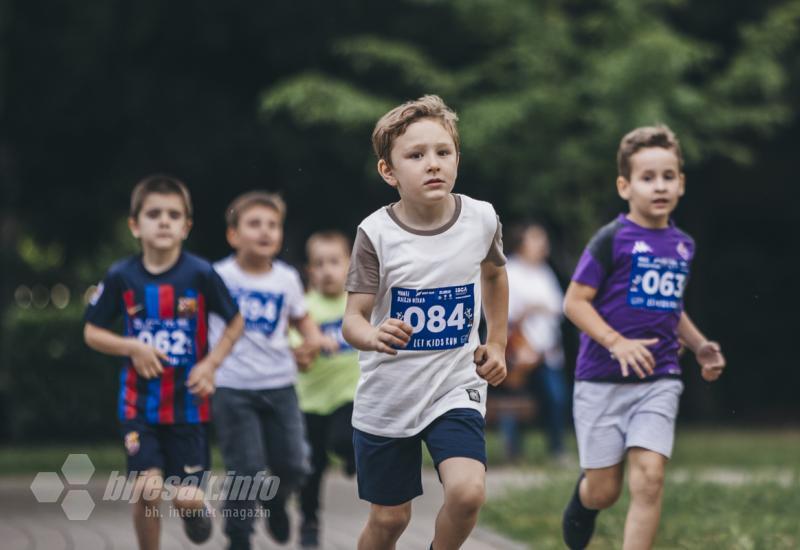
{"type": "Point", "coordinates": [179, 450]}
{"type": "Point", "coordinates": [389, 470]}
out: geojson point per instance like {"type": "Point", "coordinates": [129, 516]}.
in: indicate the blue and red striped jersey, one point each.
{"type": "Point", "coordinates": [170, 312]}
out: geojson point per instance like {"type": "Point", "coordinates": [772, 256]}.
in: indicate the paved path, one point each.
{"type": "Point", "coordinates": [27, 524]}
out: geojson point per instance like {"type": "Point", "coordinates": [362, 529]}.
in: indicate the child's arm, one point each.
{"type": "Point", "coordinates": [201, 378]}
{"type": "Point", "coordinates": [629, 352]}
{"type": "Point", "coordinates": [491, 357]}
{"type": "Point", "coordinates": [146, 359]}
{"type": "Point", "coordinates": [708, 353]}
{"type": "Point", "coordinates": [360, 334]}
{"type": "Point", "coordinates": [312, 341]}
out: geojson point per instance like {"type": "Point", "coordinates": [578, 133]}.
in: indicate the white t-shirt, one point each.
{"type": "Point", "coordinates": [536, 286]}
{"type": "Point", "coordinates": [261, 359]}
{"type": "Point", "coordinates": [431, 279]}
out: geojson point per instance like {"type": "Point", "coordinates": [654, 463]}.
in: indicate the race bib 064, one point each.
{"type": "Point", "coordinates": [441, 318]}
{"type": "Point", "coordinates": [656, 283]}
{"type": "Point", "coordinates": [173, 337]}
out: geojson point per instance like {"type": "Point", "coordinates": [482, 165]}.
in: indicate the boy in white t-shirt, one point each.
{"type": "Point", "coordinates": [256, 412]}
{"type": "Point", "coordinates": [417, 275]}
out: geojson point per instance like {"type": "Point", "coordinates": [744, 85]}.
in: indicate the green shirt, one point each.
{"type": "Point", "coordinates": [332, 378]}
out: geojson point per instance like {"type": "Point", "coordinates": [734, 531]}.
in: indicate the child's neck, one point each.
{"type": "Point", "coordinates": [332, 295]}
{"type": "Point", "coordinates": [648, 222]}
{"type": "Point", "coordinates": [158, 261]}
{"type": "Point", "coordinates": [426, 216]}
{"type": "Point", "coordinates": [257, 265]}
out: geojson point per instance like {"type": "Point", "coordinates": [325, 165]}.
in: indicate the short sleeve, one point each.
{"type": "Point", "coordinates": [219, 298]}
{"type": "Point", "coordinates": [364, 273]}
{"type": "Point", "coordinates": [598, 257]}
{"type": "Point", "coordinates": [297, 300]}
{"type": "Point", "coordinates": [495, 254]}
{"type": "Point", "coordinates": [105, 305]}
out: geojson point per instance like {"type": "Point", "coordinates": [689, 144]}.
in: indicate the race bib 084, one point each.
{"type": "Point", "coordinates": [441, 318]}
{"type": "Point", "coordinates": [261, 311]}
{"type": "Point", "coordinates": [657, 283]}
{"type": "Point", "coordinates": [173, 337]}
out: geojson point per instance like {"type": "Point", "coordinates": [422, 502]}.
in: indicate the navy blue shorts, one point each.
{"type": "Point", "coordinates": [389, 469]}
{"type": "Point", "coordinates": [179, 450]}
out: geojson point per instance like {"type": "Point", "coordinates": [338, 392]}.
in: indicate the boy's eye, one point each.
{"type": "Point", "coordinates": [153, 214]}
{"type": "Point", "coordinates": [415, 156]}
{"type": "Point", "coordinates": [444, 152]}
{"type": "Point", "coordinates": [175, 214]}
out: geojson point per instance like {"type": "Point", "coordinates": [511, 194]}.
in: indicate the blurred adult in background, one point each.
{"type": "Point", "coordinates": [535, 352]}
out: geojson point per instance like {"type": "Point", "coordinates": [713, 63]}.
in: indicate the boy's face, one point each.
{"type": "Point", "coordinates": [327, 266]}
{"type": "Point", "coordinates": [655, 185]}
{"type": "Point", "coordinates": [259, 233]}
{"type": "Point", "coordinates": [424, 163]}
{"type": "Point", "coordinates": [162, 223]}
{"type": "Point", "coordinates": [535, 246]}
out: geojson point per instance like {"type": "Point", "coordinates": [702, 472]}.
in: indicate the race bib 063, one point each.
{"type": "Point", "coordinates": [173, 337]}
{"type": "Point", "coordinates": [657, 283]}
{"type": "Point", "coordinates": [441, 318]}
{"type": "Point", "coordinates": [261, 311]}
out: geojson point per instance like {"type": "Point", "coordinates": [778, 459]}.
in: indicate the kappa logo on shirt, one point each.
{"type": "Point", "coordinates": [683, 250]}
{"type": "Point", "coordinates": [474, 395]}
{"type": "Point", "coordinates": [641, 247]}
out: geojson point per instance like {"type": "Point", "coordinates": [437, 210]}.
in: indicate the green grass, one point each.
{"type": "Point", "coordinates": [758, 508]}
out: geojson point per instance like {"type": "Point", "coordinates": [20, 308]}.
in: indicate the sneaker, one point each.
{"type": "Point", "coordinates": [578, 522]}
{"type": "Point", "coordinates": [197, 525]}
{"type": "Point", "coordinates": [309, 534]}
{"type": "Point", "coordinates": [278, 522]}
{"type": "Point", "coordinates": [239, 544]}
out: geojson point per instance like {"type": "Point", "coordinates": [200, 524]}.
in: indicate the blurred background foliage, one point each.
{"type": "Point", "coordinates": [283, 95]}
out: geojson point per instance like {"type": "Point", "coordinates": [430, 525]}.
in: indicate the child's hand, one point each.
{"type": "Point", "coordinates": [146, 359]}
{"type": "Point", "coordinates": [491, 361]}
{"type": "Point", "coordinates": [304, 355]}
{"type": "Point", "coordinates": [633, 353]}
{"type": "Point", "coordinates": [392, 332]}
{"type": "Point", "coordinates": [328, 344]}
{"type": "Point", "coordinates": [201, 379]}
{"type": "Point", "coordinates": [710, 357]}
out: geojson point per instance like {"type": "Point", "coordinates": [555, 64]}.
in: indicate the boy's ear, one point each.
{"type": "Point", "coordinates": [624, 188]}
{"type": "Point", "coordinates": [682, 185]}
{"type": "Point", "coordinates": [187, 229]}
{"type": "Point", "coordinates": [386, 173]}
{"type": "Point", "coordinates": [232, 237]}
{"type": "Point", "coordinates": [133, 226]}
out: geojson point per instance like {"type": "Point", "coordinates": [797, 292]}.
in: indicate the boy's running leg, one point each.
{"type": "Point", "coordinates": [597, 489]}
{"type": "Point", "coordinates": [317, 427]}
{"type": "Point", "coordinates": [384, 526]}
{"type": "Point", "coordinates": [147, 509]}
{"type": "Point", "coordinates": [646, 484]}
{"type": "Point", "coordinates": [464, 481]}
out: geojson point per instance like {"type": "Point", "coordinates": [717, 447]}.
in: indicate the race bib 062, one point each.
{"type": "Point", "coordinates": [173, 337]}
{"type": "Point", "coordinates": [441, 318]}
{"type": "Point", "coordinates": [657, 283]}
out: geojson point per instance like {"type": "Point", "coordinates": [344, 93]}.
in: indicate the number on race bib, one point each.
{"type": "Point", "coordinates": [657, 283]}
{"type": "Point", "coordinates": [440, 318]}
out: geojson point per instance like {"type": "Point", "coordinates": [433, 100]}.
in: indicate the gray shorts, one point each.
{"type": "Point", "coordinates": [611, 418]}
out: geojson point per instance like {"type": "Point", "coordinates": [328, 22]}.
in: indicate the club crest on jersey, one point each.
{"type": "Point", "coordinates": [683, 250]}
{"type": "Point", "coordinates": [641, 247]}
{"type": "Point", "coordinates": [187, 306]}
{"type": "Point", "coordinates": [474, 395]}
{"type": "Point", "coordinates": [132, 443]}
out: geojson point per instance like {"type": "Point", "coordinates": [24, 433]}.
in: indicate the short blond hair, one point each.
{"type": "Point", "coordinates": [643, 137]}
{"type": "Point", "coordinates": [161, 184]}
{"type": "Point", "coordinates": [328, 235]}
{"type": "Point", "coordinates": [253, 198]}
{"type": "Point", "coordinates": [394, 123]}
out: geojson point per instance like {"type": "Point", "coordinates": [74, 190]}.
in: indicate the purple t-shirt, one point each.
{"type": "Point", "coordinates": [640, 275]}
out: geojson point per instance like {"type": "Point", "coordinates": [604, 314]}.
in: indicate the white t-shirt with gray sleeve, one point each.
{"type": "Point", "coordinates": [431, 280]}
{"type": "Point", "coordinates": [261, 359]}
